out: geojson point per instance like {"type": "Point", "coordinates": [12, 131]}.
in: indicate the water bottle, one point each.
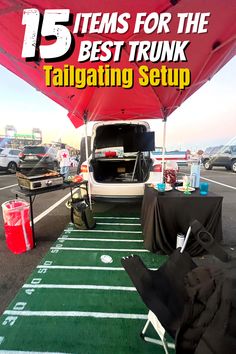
{"type": "Point", "coordinates": [193, 180]}
{"type": "Point", "coordinates": [180, 240]}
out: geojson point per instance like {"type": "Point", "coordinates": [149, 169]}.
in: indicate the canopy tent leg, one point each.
{"type": "Point", "coordinates": [163, 150]}
{"type": "Point", "coordinates": [85, 118]}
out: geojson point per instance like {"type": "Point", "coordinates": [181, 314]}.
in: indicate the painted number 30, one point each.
{"type": "Point", "coordinates": [31, 18]}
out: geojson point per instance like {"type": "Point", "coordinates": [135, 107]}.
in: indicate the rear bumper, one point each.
{"type": "Point", "coordinates": [117, 191]}
{"type": "Point", "coordinates": [31, 165]}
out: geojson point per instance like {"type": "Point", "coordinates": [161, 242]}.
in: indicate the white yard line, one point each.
{"type": "Point", "coordinates": [113, 231]}
{"type": "Point", "coordinates": [83, 267]}
{"type": "Point", "coordinates": [116, 217]}
{"type": "Point", "coordinates": [97, 239]}
{"type": "Point", "coordinates": [52, 207]}
{"type": "Point", "coordinates": [78, 267]}
{"type": "Point", "coordinates": [129, 316]}
{"type": "Point", "coordinates": [119, 224]}
{"type": "Point", "coordinates": [77, 286]}
{"type": "Point", "coordinates": [97, 249]}
{"type": "Point", "coordinates": [12, 185]}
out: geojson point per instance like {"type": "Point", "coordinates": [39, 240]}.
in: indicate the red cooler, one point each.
{"type": "Point", "coordinates": [16, 216]}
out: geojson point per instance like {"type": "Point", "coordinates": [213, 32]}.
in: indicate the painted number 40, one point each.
{"type": "Point", "coordinates": [31, 19]}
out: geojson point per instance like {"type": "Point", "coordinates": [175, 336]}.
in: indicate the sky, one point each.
{"type": "Point", "coordinates": [207, 118]}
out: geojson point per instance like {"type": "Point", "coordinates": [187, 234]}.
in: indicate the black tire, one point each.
{"type": "Point", "coordinates": [207, 165]}
{"type": "Point", "coordinates": [233, 166]}
{"type": "Point", "coordinates": [12, 167]}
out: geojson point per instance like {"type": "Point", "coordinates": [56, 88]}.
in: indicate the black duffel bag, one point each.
{"type": "Point", "coordinates": [81, 215]}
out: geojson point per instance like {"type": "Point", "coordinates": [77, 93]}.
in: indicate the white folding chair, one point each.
{"type": "Point", "coordinates": [156, 323]}
{"type": "Point", "coordinates": [160, 331]}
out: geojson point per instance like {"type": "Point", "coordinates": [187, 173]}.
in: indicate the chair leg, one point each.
{"type": "Point", "coordinates": [152, 340]}
{"type": "Point", "coordinates": [144, 329]}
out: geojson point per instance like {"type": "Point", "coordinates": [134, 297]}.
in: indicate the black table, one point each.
{"type": "Point", "coordinates": [165, 215]}
{"type": "Point", "coordinates": [31, 194]}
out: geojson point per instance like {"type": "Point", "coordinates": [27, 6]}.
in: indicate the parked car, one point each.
{"type": "Point", "coordinates": [38, 157]}
{"type": "Point", "coordinates": [220, 156]}
{"type": "Point", "coordinates": [119, 167]}
{"type": "Point", "coordinates": [9, 159]}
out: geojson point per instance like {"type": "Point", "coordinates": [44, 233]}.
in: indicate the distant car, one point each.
{"type": "Point", "coordinates": [9, 159]}
{"type": "Point", "coordinates": [220, 156]}
{"type": "Point", "coordinates": [119, 167]}
{"type": "Point", "coordinates": [38, 157]}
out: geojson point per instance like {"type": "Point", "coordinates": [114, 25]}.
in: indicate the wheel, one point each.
{"type": "Point", "coordinates": [233, 166]}
{"type": "Point", "coordinates": [207, 165]}
{"type": "Point", "coordinates": [12, 167]}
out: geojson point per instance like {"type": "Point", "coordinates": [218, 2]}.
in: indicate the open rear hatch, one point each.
{"type": "Point", "coordinates": [121, 154]}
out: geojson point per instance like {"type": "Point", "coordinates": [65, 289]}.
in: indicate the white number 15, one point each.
{"type": "Point", "coordinates": [50, 27]}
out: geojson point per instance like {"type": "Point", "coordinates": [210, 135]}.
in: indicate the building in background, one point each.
{"type": "Point", "coordinates": [18, 140]}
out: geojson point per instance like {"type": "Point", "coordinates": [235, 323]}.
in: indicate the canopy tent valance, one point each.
{"type": "Point", "coordinates": [206, 54]}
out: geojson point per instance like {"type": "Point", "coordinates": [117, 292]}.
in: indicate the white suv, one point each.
{"type": "Point", "coordinates": [120, 164]}
{"type": "Point", "coordinates": [9, 159]}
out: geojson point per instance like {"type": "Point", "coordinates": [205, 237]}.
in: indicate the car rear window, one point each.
{"type": "Point", "coordinates": [35, 150]}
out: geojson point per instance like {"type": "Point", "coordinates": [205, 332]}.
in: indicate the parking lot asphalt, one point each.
{"type": "Point", "coordinates": [14, 269]}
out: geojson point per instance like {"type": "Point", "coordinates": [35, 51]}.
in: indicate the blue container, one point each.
{"type": "Point", "coordinates": [204, 188]}
{"type": "Point", "coordinates": [161, 187]}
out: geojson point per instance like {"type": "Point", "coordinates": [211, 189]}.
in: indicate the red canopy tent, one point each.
{"type": "Point", "coordinates": [206, 54]}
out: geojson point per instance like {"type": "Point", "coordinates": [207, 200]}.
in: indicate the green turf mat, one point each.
{"type": "Point", "coordinates": [75, 302]}
{"type": "Point", "coordinates": [79, 335]}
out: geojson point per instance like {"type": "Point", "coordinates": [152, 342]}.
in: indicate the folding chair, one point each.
{"type": "Point", "coordinates": [160, 331]}
{"type": "Point", "coordinates": [149, 284]}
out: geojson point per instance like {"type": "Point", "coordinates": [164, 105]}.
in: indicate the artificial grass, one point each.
{"type": "Point", "coordinates": [62, 309]}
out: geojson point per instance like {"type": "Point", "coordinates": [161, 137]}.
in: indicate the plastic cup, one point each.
{"type": "Point", "coordinates": [204, 186]}
{"type": "Point", "coordinates": [161, 187]}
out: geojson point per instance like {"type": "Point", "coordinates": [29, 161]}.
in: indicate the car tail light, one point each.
{"type": "Point", "coordinates": [157, 168]}
{"type": "Point", "coordinates": [110, 154]}
{"type": "Point", "coordinates": [21, 154]}
{"type": "Point", "coordinates": [84, 169]}
{"type": "Point", "coordinates": [42, 155]}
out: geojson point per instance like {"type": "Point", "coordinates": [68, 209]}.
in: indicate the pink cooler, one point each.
{"type": "Point", "coordinates": [16, 216]}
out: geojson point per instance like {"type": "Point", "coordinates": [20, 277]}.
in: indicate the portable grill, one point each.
{"type": "Point", "coordinates": [39, 179]}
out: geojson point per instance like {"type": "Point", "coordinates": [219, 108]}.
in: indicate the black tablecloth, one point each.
{"type": "Point", "coordinates": [164, 215]}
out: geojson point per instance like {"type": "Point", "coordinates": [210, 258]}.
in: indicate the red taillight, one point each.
{"type": "Point", "coordinates": [157, 168]}
{"type": "Point", "coordinates": [21, 154]}
{"type": "Point", "coordinates": [84, 169]}
{"type": "Point", "coordinates": [110, 154]}
{"type": "Point", "coordinates": [42, 155]}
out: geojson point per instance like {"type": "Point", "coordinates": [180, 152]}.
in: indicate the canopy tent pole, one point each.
{"type": "Point", "coordinates": [85, 118]}
{"type": "Point", "coordinates": [163, 149]}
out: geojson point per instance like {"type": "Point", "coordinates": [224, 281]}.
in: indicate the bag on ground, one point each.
{"type": "Point", "coordinates": [81, 215]}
